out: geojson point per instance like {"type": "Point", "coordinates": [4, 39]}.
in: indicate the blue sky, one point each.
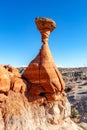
{"type": "Point", "coordinates": [20, 40]}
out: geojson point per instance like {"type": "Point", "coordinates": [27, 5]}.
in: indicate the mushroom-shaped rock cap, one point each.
{"type": "Point", "coordinates": [45, 26]}
{"type": "Point", "coordinates": [45, 23]}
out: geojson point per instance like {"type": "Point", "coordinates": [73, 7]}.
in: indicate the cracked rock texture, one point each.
{"type": "Point", "coordinates": [17, 113]}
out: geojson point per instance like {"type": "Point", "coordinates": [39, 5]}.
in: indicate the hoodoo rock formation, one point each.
{"type": "Point", "coordinates": [35, 100]}
{"type": "Point", "coordinates": [42, 71]}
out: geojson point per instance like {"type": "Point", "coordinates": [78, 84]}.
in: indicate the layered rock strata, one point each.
{"type": "Point", "coordinates": [35, 100]}
{"type": "Point", "coordinates": [42, 72]}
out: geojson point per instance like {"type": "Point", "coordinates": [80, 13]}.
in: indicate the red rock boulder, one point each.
{"type": "Point", "coordinates": [12, 71]}
{"type": "Point", "coordinates": [4, 80]}
{"type": "Point", "coordinates": [18, 84]}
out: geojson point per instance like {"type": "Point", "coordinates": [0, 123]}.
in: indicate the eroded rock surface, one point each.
{"type": "Point", "coordinates": [42, 71]}
{"type": "Point", "coordinates": [4, 80]}
{"type": "Point", "coordinates": [45, 26]}
{"type": "Point", "coordinates": [35, 101]}
{"type": "Point", "coordinates": [10, 79]}
{"type": "Point", "coordinates": [17, 113]}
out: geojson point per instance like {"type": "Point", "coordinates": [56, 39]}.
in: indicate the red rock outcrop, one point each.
{"type": "Point", "coordinates": [17, 113]}
{"type": "Point", "coordinates": [31, 105]}
{"type": "Point", "coordinates": [4, 80]}
{"type": "Point", "coordinates": [12, 71]}
{"type": "Point", "coordinates": [42, 71]}
{"type": "Point", "coordinates": [10, 79]}
{"type": "Point", "coordinates": [18, 84]}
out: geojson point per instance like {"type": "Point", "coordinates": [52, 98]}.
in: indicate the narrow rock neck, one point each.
{"type": "Point", "coordinates": [45, 35]}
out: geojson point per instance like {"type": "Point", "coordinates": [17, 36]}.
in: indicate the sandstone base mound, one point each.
{"type": "Point", "coordinates": [21, 110]}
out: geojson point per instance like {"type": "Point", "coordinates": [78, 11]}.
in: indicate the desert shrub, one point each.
{"type": "Point", "coordinates": [74, 113]}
